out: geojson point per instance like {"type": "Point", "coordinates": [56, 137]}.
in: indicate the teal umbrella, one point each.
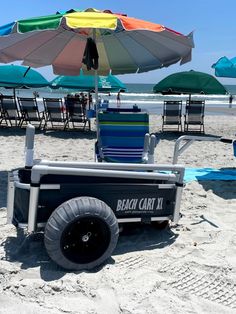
{"type": "Point", "coordinates": [225, 67]}
{"type": "Point", "coordinates": [87, 82]}
{"type": "Point", "coordinates": [18, 76]}
{"type": "Point", "coordinates": [190, 82]}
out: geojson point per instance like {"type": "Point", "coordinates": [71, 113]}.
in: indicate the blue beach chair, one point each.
{"type": "Point", "coordinates": [121, 137]}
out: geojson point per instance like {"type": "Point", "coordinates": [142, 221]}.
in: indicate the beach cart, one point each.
{"type": "Point", "coordinates": [79, 206]}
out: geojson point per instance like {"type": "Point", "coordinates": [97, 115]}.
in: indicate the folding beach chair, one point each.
{"type": "Point", "coordinates": [9, 111]}
{"type": "Point", "coordinates": [172, 115]}
{"type": "Point", "coordinates": [30, 112]}
{"type": "Point", "coordinates": [3, 121]}
{"type": "Point", "coordinates": [194, 116]}
{"type": "Point", "coordinates": [76, 113]}
{"type": "Point", "coordinates": [121, 137]}
{"type": "Point", "coordinates": [55, 113]}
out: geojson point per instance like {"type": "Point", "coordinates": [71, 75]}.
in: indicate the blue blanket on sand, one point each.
{"type": "Point", "coordinates": [206, 174]}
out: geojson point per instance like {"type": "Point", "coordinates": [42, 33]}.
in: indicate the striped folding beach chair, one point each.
{"type": "Point", "coordinates": [30, 111]}
{"type": "Point", "coordinates": [55, 113]}
{"type": "Point", "coordinates": [121, 137]}
{"type": "Point", "coordinates": [10, 113]}
{"type": "Point", "coordinates": [172, 115]}
{"type": "Point", "coordinates": [194, 116]}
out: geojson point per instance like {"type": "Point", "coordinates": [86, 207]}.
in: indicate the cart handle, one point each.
{"type": "Point", "coordinates": [29, 146]}
{"type": "Point", "coordinates": [189, 139]}
{"type": "Point", "coordinates": [226, 140]}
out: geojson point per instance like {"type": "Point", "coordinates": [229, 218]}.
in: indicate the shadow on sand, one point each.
{"type": "Point", "coordinates": [137, 237]}
{"type": "Point", "coordinates": [174, 135]}
{"type": "Point", "coordinates": [31, 253]}
{"type": "Point", "coordinates": [71, 134]}
{"type": "Point", "coordinates": [11, 131]}
{"type": "Point", "coordinates": [57, 133]}
{"type": "Point", "coordinates": [223, 189]}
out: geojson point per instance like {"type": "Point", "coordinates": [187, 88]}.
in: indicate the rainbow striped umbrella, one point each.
{"type": "Point", "coordinates": [124, 44]}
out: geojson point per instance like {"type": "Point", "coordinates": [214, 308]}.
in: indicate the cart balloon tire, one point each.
{"type": "Point", "coordinates": [81, 233]}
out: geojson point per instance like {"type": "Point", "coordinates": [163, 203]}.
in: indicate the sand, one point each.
{"type": "Point", "coordinates": [187, 268]}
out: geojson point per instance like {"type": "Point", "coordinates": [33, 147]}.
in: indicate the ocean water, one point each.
{"type": "Point", "coordinates": [139, 94]}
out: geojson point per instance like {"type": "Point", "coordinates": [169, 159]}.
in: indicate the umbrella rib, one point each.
{"type": "Point", "coordinates": [26, 72]}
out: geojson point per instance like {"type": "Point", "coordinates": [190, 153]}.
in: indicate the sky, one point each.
{"type": "Point", "coordinates": [212, 21]}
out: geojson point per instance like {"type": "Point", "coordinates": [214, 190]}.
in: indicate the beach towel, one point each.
{"type": "Point", "coordinates": [206, 174]}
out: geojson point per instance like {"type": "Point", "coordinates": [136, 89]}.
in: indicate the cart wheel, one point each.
{"type": "Point", "coordinates": [81, 233]}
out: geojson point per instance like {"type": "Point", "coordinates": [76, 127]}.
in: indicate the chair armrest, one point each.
{"type": "Point", "coordinates": [98, 152]}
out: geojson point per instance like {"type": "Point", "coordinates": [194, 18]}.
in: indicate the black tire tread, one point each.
{"type": "Point", "coordinates": [66, 213]}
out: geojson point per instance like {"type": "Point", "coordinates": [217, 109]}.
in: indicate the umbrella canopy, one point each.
{"type": "Point", "coordinates": [17, 76]}
{"type": "Point", "coordinates": [86, 83]}
{"type": "Point", "coordinates": [225, 67]}
{"type": "Point", "coordinates": [123, 44]}
{"type": "Point", "coordinates": [190, 82]}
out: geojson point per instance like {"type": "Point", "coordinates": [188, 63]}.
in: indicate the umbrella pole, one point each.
{"type": "Point", "coordinates": [96, 85]}
{"type": "Point", "coordinates": [96, 74]}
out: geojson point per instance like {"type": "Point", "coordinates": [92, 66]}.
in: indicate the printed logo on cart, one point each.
{"type": "Point", "coordinates": [151, 204]}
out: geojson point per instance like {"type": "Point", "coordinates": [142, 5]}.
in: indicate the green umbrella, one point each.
{"type": "Point", "coordinates": [190, 82]}
{"type": "Point", "coordinates": [87, 82]}
{"type": "Point", "coordinates": [18, 76]}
